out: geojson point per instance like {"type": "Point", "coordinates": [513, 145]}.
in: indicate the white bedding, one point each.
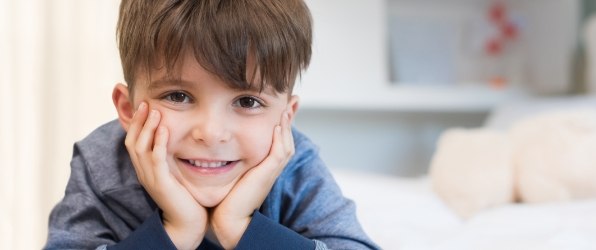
{"type": "Point", "coordinates": [404, 213]}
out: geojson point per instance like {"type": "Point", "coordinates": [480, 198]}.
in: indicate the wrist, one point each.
{"type": "Point", "coordinates": [229, 232]}
{"type": "Point", "coordinates": [184, 237]}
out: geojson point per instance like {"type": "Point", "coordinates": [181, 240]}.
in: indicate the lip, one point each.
{"type": "Point", "coordinates": [208, 170]}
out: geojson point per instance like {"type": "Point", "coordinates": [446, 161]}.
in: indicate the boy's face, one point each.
{"type": "Point", "coordinates": [216, 133]}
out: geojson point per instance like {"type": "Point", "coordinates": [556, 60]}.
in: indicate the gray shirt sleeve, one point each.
{"type": "Point", "coordinates": [307, 199]}
{"type": "Point", "coordinates": [80, 220]}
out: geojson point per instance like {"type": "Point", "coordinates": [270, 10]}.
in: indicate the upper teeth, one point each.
{"type": "Point", "coordinates": [203, 164]}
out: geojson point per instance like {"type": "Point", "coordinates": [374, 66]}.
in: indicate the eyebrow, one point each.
{"type": "Point", "coordinates": [168, 82]}
{"type": "Point", "coordinates": [165, 82]}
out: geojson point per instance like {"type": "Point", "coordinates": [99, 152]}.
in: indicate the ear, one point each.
{"type": "Point", "coordinates": [293, 104]}
{"type": "Point", "coordinates": [124, 107]}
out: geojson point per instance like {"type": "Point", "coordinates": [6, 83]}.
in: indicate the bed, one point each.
{"type": "Point", "coordinates": [404, 213]}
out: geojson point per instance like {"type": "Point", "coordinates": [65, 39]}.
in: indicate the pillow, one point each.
{"type": "Point", "coordinates": [472, 170]}
{"type": "Point", "coordinates": [554, 156]}
{"type": "Point", "coordinates": [537, 151]}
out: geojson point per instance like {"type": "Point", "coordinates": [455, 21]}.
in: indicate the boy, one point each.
{"type": "Point", "coordinates": [203, 154]}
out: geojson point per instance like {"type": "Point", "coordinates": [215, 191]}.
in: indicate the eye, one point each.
{"type": "Point", "coordinates": [178, 97]}
{"type": "Point", "coordinates": [248, 102]}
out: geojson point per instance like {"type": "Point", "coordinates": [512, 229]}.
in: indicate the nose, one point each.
{"type": "Point", "coordinates": [210, 128]}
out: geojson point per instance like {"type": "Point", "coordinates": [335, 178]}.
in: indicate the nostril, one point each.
{"type": "Point", "coordinates": [211, 136]}
{"type": "Point", "coordinates": [210, 126]}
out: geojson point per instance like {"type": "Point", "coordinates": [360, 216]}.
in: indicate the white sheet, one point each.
{"type": "Point", "coordinates": [404, 213]}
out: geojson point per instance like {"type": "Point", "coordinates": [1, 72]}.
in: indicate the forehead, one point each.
{"type": "Point", "coordinates": [189, 74]}
{"type": "Point", "coordinates": [187, 71]}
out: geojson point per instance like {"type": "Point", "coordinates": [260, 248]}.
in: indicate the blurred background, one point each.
{"type": "Point", "coordinates": [386, 78]}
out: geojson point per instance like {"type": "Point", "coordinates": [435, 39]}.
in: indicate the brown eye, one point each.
{"type": "Point", "coordinates": [178, 97]}
{"type": "Point", "coordinates": [248, 102]}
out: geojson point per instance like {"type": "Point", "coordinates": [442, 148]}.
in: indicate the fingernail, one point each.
{"type": "Point", "coordinates": [142, 106]}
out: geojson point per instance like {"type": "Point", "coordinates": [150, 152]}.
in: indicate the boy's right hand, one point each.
{"type": "Point", "coordinates": [184, 219]}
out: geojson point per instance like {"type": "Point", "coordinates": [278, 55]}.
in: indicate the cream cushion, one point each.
{"type": "Point", "coordinates": [472, 170]}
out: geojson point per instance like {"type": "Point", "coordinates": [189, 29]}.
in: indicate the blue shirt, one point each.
{"type": "Point", "coordinates": [105, 206]}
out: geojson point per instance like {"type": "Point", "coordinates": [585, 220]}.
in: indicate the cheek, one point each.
{"type": "Point", "coordinates": [258, 136]}
{"type": "Point", "coordinates": [175, 128]}
{"type": "Point", "coordinates": [257, 142]}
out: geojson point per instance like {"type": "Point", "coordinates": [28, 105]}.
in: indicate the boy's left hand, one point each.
{"type": "Point", "coordinates": [231, 217]}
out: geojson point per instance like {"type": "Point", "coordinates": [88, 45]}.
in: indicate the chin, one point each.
{"type": "Point", "coordinates": [210, 192]}
{"type": "Point", "coordinates": [210, 198]}
{"type": "Point", "coordinates": [210, 203]}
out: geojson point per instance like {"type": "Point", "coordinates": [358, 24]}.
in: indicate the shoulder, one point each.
{"type": "Point", "coordinates": [103, 144]}
{"type": "Point", "coordinates": [306, 150]}
{"type": "Point", "coordinates": [306, 166]}
{"type": "Point", "coordinates": [102, 139]}
{"type": "Point", "coordinates": [105, 158]}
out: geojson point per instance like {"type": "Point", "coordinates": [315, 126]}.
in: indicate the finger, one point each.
{"type": "Point", "coordinates": [282, 149]}
{"type": "Point", "coordinates": [287, 137]}
{"type": "Point", "coordinates": [134, 129]}
{"type": "Point", "coordinates": [160, 150]}
{"type": "Point", "coordinates": [270, 165]}
{"type": "Point", "coordinates": [278, 146]}
{"type": "Point", "coordinates": [144, 145]}
{"type": "Point", "coordinates": [145, 139]}
{"type": "Point", "coordinates": [136, 124]}
{"type": "Point", "coordinates": [282, 146]}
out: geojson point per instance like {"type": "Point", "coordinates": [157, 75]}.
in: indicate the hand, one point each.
{"type": "Point", "coordinates": [231, 217]}
{"type": "Point", "coordinates": [184, 219]}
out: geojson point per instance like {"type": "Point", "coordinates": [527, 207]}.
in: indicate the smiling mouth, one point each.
{"type": "Point", "coordinates": [208, 164]}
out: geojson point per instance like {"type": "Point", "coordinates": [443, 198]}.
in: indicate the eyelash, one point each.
{"type": "Point", "coordinates": [169, 97]}
{"type": "Point", "coordinates": [256, 100]}
{"type": "Point", "coordinates": [187, 99]}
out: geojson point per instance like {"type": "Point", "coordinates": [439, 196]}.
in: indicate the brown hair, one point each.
{"type": "Point", "coordinates": [222, 34]}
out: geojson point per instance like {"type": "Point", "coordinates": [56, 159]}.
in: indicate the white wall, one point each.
{"type": "Point", "coordinates": [351, 62]}
{"type": "Point", "coordinates": [58, 64]}
{"type": "Point", "coordinates": [349, 48]}
{"type": "Point", "coordinates": [380, 141]}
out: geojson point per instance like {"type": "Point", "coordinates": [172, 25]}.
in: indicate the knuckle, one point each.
{"type": "Point", "coordinates": [128, 143]}
{"type": "Point", "coordinates": [290, 152]}
{"type": "Point", "coordinates": [138, 149]}
{"type": "Point", "coordinates": [141, 180]}
{"type": "Point", "coordinates": [279, 157]}
{"type": "Point", "coordinates": [156, 156]}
